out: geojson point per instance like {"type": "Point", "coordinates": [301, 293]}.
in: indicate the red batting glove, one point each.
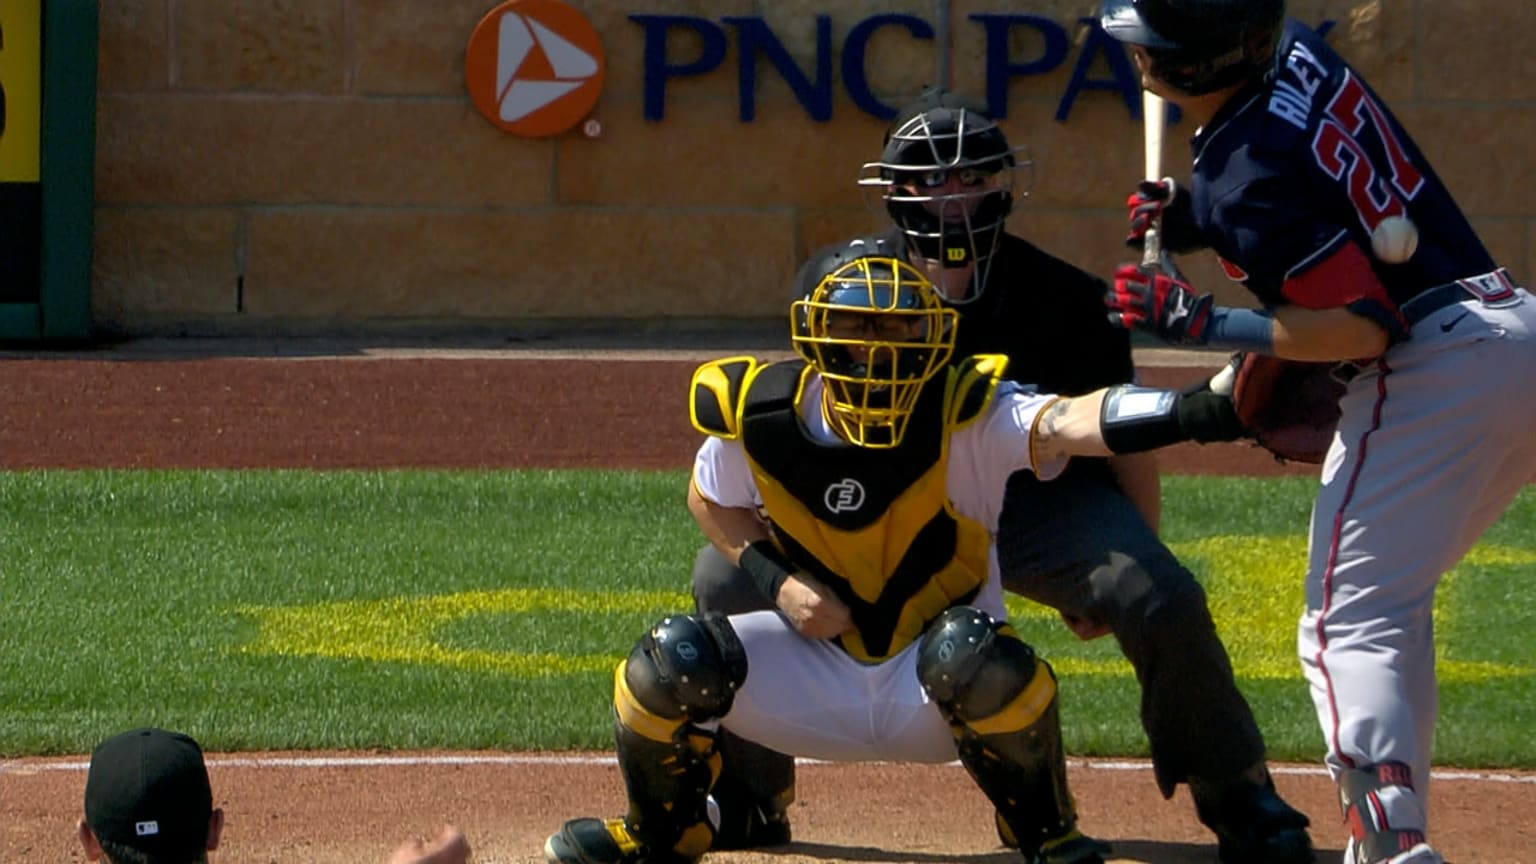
{"type": "Point", "coordinates": [1145, 297]}
{"type": "Point", "coordinates": [1146, 205]}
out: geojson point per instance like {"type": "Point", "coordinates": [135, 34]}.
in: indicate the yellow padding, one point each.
{"type": "Point", "coordinates": [1024, 710]}
{"type": "Point", "coordinates": [634, 716]}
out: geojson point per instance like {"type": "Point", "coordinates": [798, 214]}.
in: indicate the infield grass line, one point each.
{"type": "Point", "coordinates": [484, 611]}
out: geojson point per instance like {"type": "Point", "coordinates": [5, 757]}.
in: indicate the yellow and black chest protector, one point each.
{"type": "Point", "coordinates": [874, 525]}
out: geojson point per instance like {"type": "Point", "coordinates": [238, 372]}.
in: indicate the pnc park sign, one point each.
{"type": "Point", "coordinates": [548, 64]}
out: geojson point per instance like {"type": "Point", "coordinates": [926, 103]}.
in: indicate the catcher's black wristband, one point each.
{"type": "Point", "coordinates": [767, 567]}
{"type": "Point", "coordinates": [1136, 419]}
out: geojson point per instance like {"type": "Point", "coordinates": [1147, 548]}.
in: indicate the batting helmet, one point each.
{"type": "Point", "coordinates": [948, 179]}
{"type": "Point", "coordinates": [873, 327]}
{"type": "Point", "coordinates": [1198, 46]}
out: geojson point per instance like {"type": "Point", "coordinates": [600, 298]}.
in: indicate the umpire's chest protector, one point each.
{"type": "Point", "coordinates": [874, 525]}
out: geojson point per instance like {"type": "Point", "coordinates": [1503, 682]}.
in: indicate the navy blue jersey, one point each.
{"type": "Point", "coordinates": [1309, 159]}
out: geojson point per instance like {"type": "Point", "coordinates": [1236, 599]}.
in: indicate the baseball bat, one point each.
{"type": "Point", "coordinates": [1154, 119]}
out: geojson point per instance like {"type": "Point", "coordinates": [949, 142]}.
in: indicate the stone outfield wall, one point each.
{"type": "Point", "coordinates": [269, 165]}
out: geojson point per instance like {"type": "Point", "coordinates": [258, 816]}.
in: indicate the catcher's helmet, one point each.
{"type": "Point", "coordinates": [873, 327]}
{"type": "Point", "coordinates": [1198, 46]}
{"type": "Point", "coordinates": [947, 177]}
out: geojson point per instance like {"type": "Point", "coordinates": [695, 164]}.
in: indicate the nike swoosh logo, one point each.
{"type": "Point", "coordinates": [1451, 324]}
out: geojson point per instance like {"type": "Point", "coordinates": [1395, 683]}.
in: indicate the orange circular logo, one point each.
{"type": "Point", "coordinates": [534, 67]}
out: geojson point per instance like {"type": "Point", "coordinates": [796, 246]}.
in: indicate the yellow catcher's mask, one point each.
{"type": "Point", "coordinates": [874, 328]}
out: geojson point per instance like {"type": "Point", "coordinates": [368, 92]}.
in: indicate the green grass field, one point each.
{"type": "Point", "coordinates": [486, 610]}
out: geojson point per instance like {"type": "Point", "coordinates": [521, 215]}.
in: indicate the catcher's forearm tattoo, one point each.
{"type": "Point", "coordinates": [1046, 443]}
{"type": "Point", "coordinates": [1055, 416]}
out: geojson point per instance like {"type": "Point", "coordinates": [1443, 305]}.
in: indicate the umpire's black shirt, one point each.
{"type": "Point", "coordinates": [1048, 317]}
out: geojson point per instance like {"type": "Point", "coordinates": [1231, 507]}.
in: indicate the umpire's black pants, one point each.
{"type": "Point", "coordinates": [1076, 544]}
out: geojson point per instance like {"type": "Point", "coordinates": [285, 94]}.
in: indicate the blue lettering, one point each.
{"type": "Point", "coordinates": [1001, 69]}
{"type": "Point", "coordinates": [1125, 80]}
{"type": "Point", "coordinates": [856, 73]}
{"type": "Point", "coordinates": [814, 90]}
{"type": "Point", "coordinates": [658, 70]}
{"type": "Point", "coordinates": [753, 36]}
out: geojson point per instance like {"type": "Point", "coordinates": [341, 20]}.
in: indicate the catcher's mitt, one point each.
{"type": "Point", "coordinates": [1289, 407]}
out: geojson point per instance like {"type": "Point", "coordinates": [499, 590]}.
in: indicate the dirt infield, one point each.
{"type": "Point", "coordinates": [513, 409]}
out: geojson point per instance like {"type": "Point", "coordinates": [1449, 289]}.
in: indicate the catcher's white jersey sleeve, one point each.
{"type": "Point", "coordinates": [981, 456]}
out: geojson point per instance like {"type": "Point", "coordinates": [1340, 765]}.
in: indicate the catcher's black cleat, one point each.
{"type": "Point", "coordinates": [601, 841]}
{"type": "Point", "coordinates": [750, 826]}
{"type": "Point", "coordinates": [1253, 825]}
{"type": "Point", "coordinates": [1073, 847]}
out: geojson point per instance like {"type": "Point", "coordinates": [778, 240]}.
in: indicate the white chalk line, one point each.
{"type": "Point", "coordinates": [515, 759]}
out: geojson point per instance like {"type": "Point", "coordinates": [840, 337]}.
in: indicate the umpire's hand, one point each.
{"type": "Point", "coordinates": [812, 608]}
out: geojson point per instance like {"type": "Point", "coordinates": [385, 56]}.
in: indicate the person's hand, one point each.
{"type": "Point", "coordinates": [812, 608]}
{"type": "Point", "coordinates": [448, 847]}
{"type": "Point", "coordinates": [1153, 299]}
{"type": "Point", "coordinates": [1084, 628]}
{"type": "Point", "coordinates": [1145, 206]}
{"type": "Point", "coordinates": [1160, 202]}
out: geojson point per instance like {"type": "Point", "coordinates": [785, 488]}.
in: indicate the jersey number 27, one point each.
{"type": "Point", "coordinates": [1340, 150]}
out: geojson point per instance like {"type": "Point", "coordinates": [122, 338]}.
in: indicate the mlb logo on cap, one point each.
{"type": "Point", "coordinates": [148, 790]}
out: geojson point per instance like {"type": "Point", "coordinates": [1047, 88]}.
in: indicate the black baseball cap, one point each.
{"type": "Point", "coordinates": [148, 789]}
{"type": "Point", "coordinates": [934, 98]}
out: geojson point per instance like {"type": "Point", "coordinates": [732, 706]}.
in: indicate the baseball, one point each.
{"type": "Point", "coordinates": [1395, 239]}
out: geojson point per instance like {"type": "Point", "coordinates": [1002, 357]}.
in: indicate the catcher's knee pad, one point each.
{"type": "Point", "coordinates": [686, 667]}
{"type": "Point", "coordinates": [1000, 700]}
{"type": "Point", "coordinates": [684, 671]}
{"type": "Point", "coordinates": [1383, 812]}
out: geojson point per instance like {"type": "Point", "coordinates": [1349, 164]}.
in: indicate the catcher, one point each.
{"type": "Point", "coordinates": [859, 488]}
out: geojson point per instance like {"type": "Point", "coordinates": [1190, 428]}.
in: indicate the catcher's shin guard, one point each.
{"type": "Point", "coordinates": [1001, 703]}
{"type": "Point", "coordinates": [683, 672]}
{"type": "Point", "coordinates": [1384, 814]}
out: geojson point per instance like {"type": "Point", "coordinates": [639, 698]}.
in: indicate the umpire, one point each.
{"type": "Point", "coordinates": [1085, 543]}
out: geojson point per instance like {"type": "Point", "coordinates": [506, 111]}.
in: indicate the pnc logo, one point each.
{"type": "Point", "coordinates": [534, 68]}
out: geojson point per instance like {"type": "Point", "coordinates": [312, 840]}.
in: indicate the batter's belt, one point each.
{"type": "Point", "coordinates": [1490, 289]}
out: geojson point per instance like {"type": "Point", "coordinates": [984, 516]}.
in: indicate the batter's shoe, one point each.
{"type": "Point", "coordinates": [1253, 825]}
{"type": "Point", "coordinates": [601, 841]}
{"type": "Point", "coordinates": [1419, 854]}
